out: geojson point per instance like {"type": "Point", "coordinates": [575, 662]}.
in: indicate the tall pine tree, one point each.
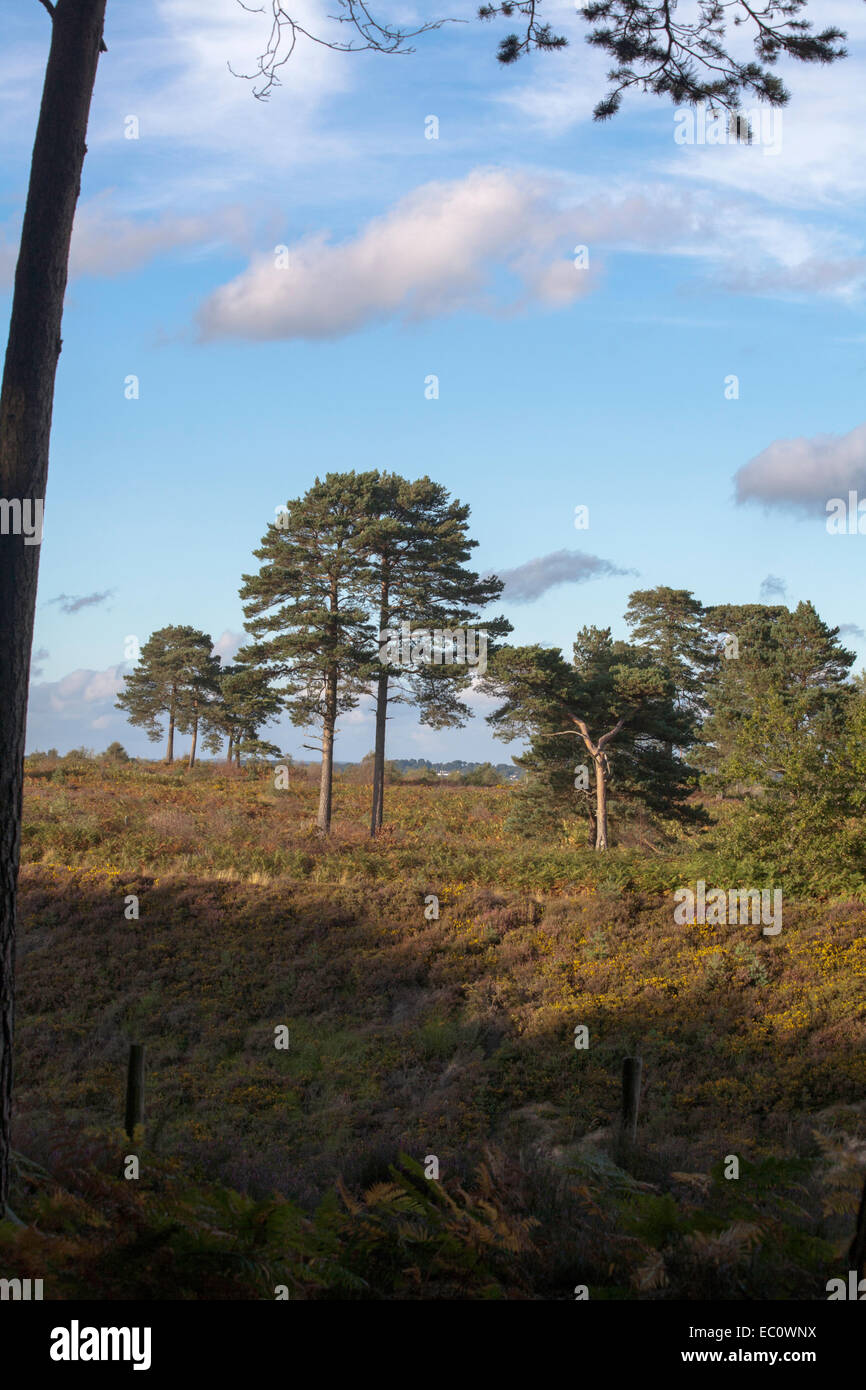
{"type": "Point", "coordinates": [306, 610]}
{"type": "Point", "coordinates": [668, 624]}
{"type": "Point", "coordinates": [416, 544]}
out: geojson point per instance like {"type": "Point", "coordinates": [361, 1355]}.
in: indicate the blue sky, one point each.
{"type": "Point", "coordinates": [410, 257]}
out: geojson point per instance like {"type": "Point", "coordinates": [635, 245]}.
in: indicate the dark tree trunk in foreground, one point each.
{"type": "Point", "coordinates": [26, 404]}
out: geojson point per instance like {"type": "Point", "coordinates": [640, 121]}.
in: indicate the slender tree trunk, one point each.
{"type": "Point", "coordinates": [599, 757]}
{"type": "Point", "coordinates": [169, 752]}
{"type": "Point", "coordinates": [229, 754]}
{"type": "Point", "coordinates": [379, 755]}
{"type": "Point", "coordinates": [26, 402]}
{"type": "Point", "coordinates": [194, 741]}
{"type": "Point", "coordinates": [591, 837]}
{"type": "Point", "coordinates": [378, 807]}
{"type": "Point", "coordinates": [601, 801]}
{"type": "Point", "coordinates": [238, 753]}
{"type": "Point", "coordinates": [326, 781]}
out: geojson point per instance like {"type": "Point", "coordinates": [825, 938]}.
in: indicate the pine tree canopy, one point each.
{"type": "Point", "coordinates": [175, 672]}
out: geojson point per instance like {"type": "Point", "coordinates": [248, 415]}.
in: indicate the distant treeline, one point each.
{"type": "Point", "coordinates": [507, 770]}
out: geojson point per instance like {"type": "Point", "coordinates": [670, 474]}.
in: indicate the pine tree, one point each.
{"type": "Point", "coordinates": [668, 624]}
{"type": "Point", "coordinates": [770, 661]}
{"type": "Point", "coordinates": [615, 704]}
{"type": "Point", "coordinates": [802, 823]}
{"type": "Point", "coordinates": [306, 611]}
{"type": "Point", "coordinates": [203, 692]}
{"type": "Point", "coordinates": [416, 542]}
{"type": "Point", "coordinates": [246, 701]}
{"type": "Point", "coordinates": [175, 674]}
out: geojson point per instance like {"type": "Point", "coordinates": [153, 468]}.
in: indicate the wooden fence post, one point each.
{"type": "Point", "coordinates": [134, 1088]}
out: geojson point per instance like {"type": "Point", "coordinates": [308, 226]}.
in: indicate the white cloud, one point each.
{"type": "Point", "coordinates": [106, 242]}
{"type": "Point", "coordinates": [228, 644]}
{"type": "Point", "coordinates": [803, 474]}
{"type": "Point", "coordinates": [363, 714]}
{"type": "Point", "coordinates": [86, 687]}
{"type": "Point", "coordinates": [440, 248]}
{"type": "Point", "coordinates": [819, 160]}
{"type": "Point", "coordinates": [434, 253]}
{"type": "Point", "coordinates": [66, 712]}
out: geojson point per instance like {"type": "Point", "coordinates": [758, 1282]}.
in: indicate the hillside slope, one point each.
{"type": "Point", "coordinates": [451, 1038]}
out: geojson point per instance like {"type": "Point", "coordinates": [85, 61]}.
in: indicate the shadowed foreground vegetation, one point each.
{"type": "Point", "coordinates": [410, 1038]}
